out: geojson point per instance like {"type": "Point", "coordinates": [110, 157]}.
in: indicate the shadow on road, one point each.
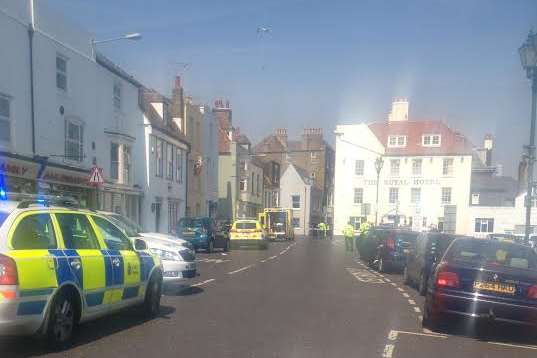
{"type": "Point", "coordinates": [89, 332]}
{"type": "Point", "coordinates": [183, 291]}
{"type": "Point", "coordinates": [491, 332]}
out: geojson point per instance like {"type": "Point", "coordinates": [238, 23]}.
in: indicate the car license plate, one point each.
{"type": "Point", "coordinates": [171, 273]}
{"type": "Point", "coordinates": [495, 287]}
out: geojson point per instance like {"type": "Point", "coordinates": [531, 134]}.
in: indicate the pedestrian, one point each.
{"type": "Point", "coordinates": [323, 228]}
{"type": "Point", "coordinates": [348, 233]}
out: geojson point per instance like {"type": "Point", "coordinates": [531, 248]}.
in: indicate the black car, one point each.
{"type": "Point", "coordinates": [485, 280]}
{"type": "Point", "coordinates": [429, 248]}
{"type": "Point", "coordinates": [385, 249]}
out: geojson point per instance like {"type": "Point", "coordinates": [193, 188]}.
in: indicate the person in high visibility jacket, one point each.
{"type": "Point", "coordinates": [348, 233]}
{"type": "Point", "coordinates": [323, 229]}
{"type": "Point", "coordinates": [364, 228]}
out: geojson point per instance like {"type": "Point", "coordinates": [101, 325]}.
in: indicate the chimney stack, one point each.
{"type": "Point", "coordinates": [488, 144]}
{"type": "Point", "coordinates": [178, 104]}
{"type": "Point", "coordinates": [281, 134]}
{"type": "Point", "coordinates": [399, 110]}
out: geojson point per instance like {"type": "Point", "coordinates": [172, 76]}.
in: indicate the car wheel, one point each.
{"type": "Point", "coordinates": [153, 294]}
{"type": "Point", "coordinates": [210, 246]}
{"type": "Point", "coordinates": [422, 288]}
{"type": "Point", "coordinates": [406, 279]}
{"type": "Point", "coordinates": [62, 320]}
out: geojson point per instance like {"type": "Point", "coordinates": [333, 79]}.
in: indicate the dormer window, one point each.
{"type": "Point", "coordinates": [397, 141]}
{"type": "Point", "coordinates": [431, 140]}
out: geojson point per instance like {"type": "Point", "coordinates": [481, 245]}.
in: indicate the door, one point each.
{"type": "Point", "coordinates": [125, 261]}
{"type": "Point", "coordinates": [81, 260]}
{"type": "Point", "coordinates": [157, 217]}
{"type": "Point", "coordinates": [32, 239]}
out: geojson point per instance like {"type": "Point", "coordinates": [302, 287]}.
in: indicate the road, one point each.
{"type": "Point", "coordinates": [304, 299]}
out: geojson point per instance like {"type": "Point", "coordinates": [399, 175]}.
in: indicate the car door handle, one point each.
{"type": "Point", "coordinates": [51, 264]}
{"type": "Point", "coordinates": [116, 262]}
{"type": "Point", "coordinates": [76, 264]}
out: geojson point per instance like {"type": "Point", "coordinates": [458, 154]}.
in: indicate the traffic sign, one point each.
{"type": "Point", "coordinates": [96, 176]}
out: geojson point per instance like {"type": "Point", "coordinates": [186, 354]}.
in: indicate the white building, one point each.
{"type": "Point", "coordinates": [210, 152]}
{"type": "Point", "coordinates": [164, 148]}
{"type": "Point", "coordinates": [426, 168]}
{"type": "Point", "coordinates": [298, 192]}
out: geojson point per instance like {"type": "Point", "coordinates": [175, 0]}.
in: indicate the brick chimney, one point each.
{"type": "Point", "coordinates": [281, 134]}
{"type": "Point", "coordinates": [312, 138]}
{"type": "Point", "coordinates": [178, 104]}
{"type": "Point", "coordinates": [399, 110]}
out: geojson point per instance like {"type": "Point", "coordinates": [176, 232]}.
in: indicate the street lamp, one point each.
{"type": "Point", "coordinates": [528, 58]}
{"type": "Point", "coordinates": [379, 163]}
{"type": "Point", "coordinates": [135, 36]}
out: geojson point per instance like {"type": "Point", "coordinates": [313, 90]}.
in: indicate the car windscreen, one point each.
{"type": "Point", "coordinates": [3, 217]}
{"type": "Point", "coordinates": [190, 223]}
{"type": "Point", "coordinates": [487, 252]}
{"type": "Point", "coordinates": [245, 226]}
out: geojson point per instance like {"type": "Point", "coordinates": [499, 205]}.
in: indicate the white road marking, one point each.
{"type": "Point", "coordinates": [420, 318]}
{"type": "Point", "coordinates": [393, 284]}
{"type": "Point", "coordinates": [364, 275]}
{"type": "Point", "coordinates": [434, 335]}
{"type": "Point", "coordinates": [203, 282]}
{"type": "Point", "coordinates": [412, 302]}
{"type": "Point", "coordinates": [388, 351]}
{"type": "Point", "coordinates": [241, 269]}
{"type": "Point", "coordinates": [513, 345]}
{"type": "Point", "coordinates": [393, 335]}
{"type": "Point", "coordinates": [417, 309]}
{"type": "Point", "coordinates": [283, 252]}
{"type": "Point", "coordinates": [388, 280]}
{"type": "Point", "coordinates": [272, 257]}
{"type": "Point", "coordinates": [400, 289]}
{"type": "Point", "coordinates": [406, 295]}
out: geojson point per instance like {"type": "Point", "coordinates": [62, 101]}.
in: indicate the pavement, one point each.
{"type": "Point", "coordinates": [307, 298]}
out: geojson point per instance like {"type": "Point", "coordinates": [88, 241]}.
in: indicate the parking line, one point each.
{"type": "Point", "coordinates": [400, 289]}
{"type": "Point", "coordinates": [513, 345]}
{"type": "Point", "coordinates": [387, 280]}
{"type": "Point", "coordinates": [406, 295]}
{"type": "Point", "coordinates": [412, 302]}
{"type": "Point", "coordinates": [241, 269]}
{"type": "Point", "coordinates": [388, 351]}
{"type": "Point", "coordinates": [283, 252]}
{"type": "Point", "coordinates": [417, 309]}
{"type": "Point", "coordinates": [434, 335]}
{"type": "Point", "coordinates": [203, 282]}
{"type": "Point", "coordinates": [393, 284]}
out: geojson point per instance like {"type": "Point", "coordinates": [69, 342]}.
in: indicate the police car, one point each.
{"type": "Point", "coordinates": [61, 266]}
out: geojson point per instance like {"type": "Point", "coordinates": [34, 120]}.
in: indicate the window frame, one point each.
{"type": "Point", "coordinates": [393, 195]}
{"type": "Point", "coordinates": [415, 166]}
{"type": "Point", "coordinates": [114, 164]}
{"type": "Point", "coordinates": [117, 96]}
{"type": "Point", "coordinates": [90, 226]}
{"type": "Point", "coordinates": [62, 72]}
{"type": "Point", "coordinates": [17, 224]}
{"type": "Point", "coordinates": [443, 195]}
{"type": "Point", "coordinates": [447, 166]}
{"type": "Point", "coordinates": [396, 141]}
{"type": "Point", "coordinates": [427, 140]}
{"type": "Point", "coordinates": [358, 194]}
{"type": "Point", "coordinates": [398, 171]}
{"type": "Point", "coordinates": [6, 118]}
{"type": "Point", "coordinates": [413, 191]}
{"type": "Point", "coordinates": [70, 141]}
{"type": "Point", "coordinates": [480, 223]}
{"type": "Point", "coordinates": [293, 202]}
{"type": "Point", "coordinates": [359, 167]}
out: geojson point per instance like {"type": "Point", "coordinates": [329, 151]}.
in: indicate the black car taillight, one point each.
{"type": "Point", "coordinates": [8, 271]}
{"type": "Point", "coordinates": [446, 278]}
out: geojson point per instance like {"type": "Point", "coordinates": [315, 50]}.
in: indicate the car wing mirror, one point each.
{"type": "Point", "coordinates": [140, 245]}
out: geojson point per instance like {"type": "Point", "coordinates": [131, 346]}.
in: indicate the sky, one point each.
{"type": "Point", "coordinates": [331, 62]}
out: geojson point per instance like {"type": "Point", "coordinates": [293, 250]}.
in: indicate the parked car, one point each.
{"type": "Point", "coordinates": [483, 280]}
{"type": "Point", "coordinates": [428, 249]}
{"type": "Point", "coordinates": [386, 249]}
{"type": "Point", "coordinates": [248, 233]}
{"type": "Point", "coordinates": [178, 260]}
{"type": "Point", "coordinates": [201, 232]}
{"type": "Point", "coordinates": [61, 266]}
{"type": "Point", "coordinates": [222, 229]}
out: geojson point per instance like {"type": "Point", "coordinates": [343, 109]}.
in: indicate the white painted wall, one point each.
{"type": "Point", "coordinates": [292, 184]}
{"type": "Point", "coordinates": [431, 181]}
{"type": "Point", "coordinates": [210, 150]}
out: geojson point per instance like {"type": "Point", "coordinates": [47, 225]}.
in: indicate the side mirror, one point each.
{"type": "Point", "coordinates": [140, 245]}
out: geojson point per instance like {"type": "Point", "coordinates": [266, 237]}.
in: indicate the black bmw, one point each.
{"type": "Point", "coordinates": [486, 280]}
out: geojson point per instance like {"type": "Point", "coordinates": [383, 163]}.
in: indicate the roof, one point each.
{"type": "Point", "coordinates": [112, 67]}
{"type": "Point", "coordinates": [451, 142]}
{"type": "Point", "coordinates": [167, 126]}
{"type": "Point", "coordinates": [494, 190]}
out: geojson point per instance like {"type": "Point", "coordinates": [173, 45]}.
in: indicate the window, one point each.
{"type": "Point", "coordinates": [358, 195]}
{"type": "Point", "coordinates": [446, 195]}
{"type": "Point", "coordinates": [74, 141]}
{"type": "Point", "coordinates": [475, 199]}
{"type": "Point", "coordinates": [127, 164]}
{"type": "Point", "coordinates": [243, 185]}
{"type": "Point", "coordinates": [243, 165]}
{"type": "Point", "coordinates": [395, 164]}
{"type": "Point", "coordinates": [359, 167]}
{"type": "Point", "coordinates": [416, 166]}
{"type": "Point", "coordinates": [484, 225]}
{"type": "Point", "coordinates": [431, 140]}
{"type": "Point", "coordinates": [113, 237]}
{"type": "Point", "coordinates": [77, 232]}
{"type": "Point", "coordinates": [160, 158]}
{"type": "Point", "coordinates": [117, 96]}
{"type": "Point", "coordinates": [34, 232]}
{"type": "Point", "coordinates": [296, 222]}
{"type": "Point", "coordinates": [114, 161]}
{"type": "Point", "coordinates": [173, 215]}
{"type": "Point", "coordinates": [415, 195]}
{"type": "Point", "coordinates": [394, 195]}
{"type": "Point", "coordinates": [5, 126]}
{"type": "Point", "coordinates": [179, 165]}
{"type": "Point", "coordinates": [61, 72]}
{"type": "Point", "coordinates": [169, 161]}
{"type": "Point", "coordinates": [295, 199]}
{"type": "Point", "coordinates": [397, 141]}
{"type": "Point", "coordinates": [355, 221]}
{"type": "Point", "coordinates": [447, 166]}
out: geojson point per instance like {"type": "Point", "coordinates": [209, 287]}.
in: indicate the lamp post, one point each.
{"type": "Point", "coordinates": [379, 163]}
{"type": "Point", "coordinates": [135, 36]}
{"type": "Point", "coordinates": [528, 58]}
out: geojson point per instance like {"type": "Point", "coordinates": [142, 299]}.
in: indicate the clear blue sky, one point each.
{"type": "Point", "coordinates": [329, 62]}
